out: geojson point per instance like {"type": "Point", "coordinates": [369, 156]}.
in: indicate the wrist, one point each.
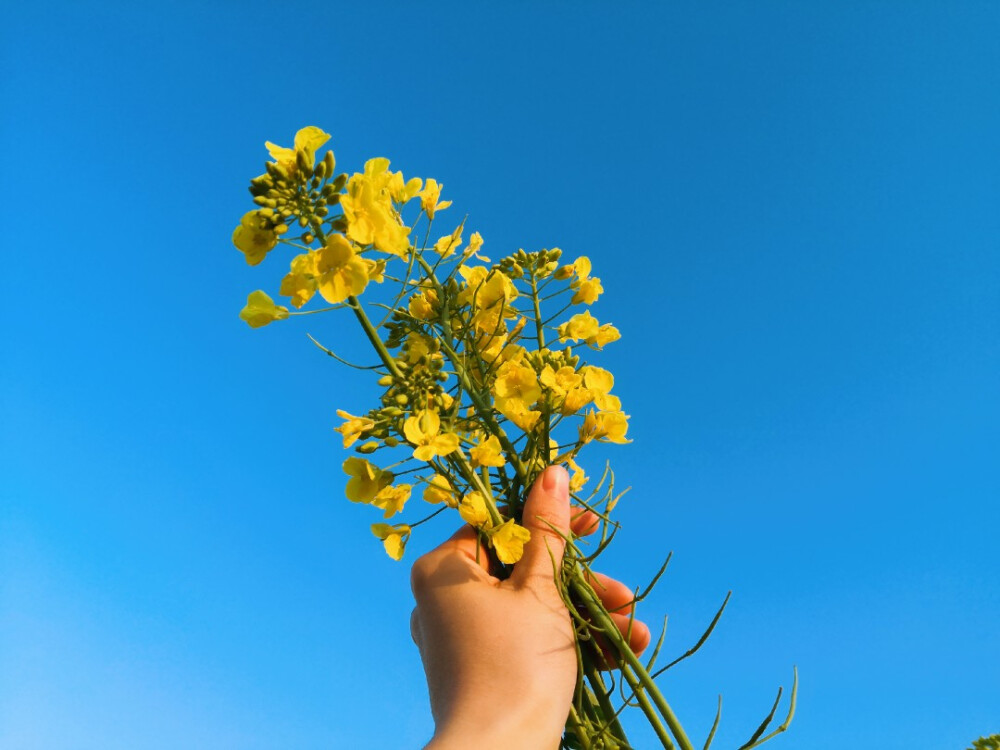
{"type": "Point", "coordinates": [496, 732]}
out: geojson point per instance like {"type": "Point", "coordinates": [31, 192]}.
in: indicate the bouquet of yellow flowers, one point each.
{"type": "Point", "coordinates": [482, 386]}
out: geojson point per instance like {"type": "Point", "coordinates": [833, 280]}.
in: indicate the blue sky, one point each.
{"type": "Point", "coordinates": [793, 209]}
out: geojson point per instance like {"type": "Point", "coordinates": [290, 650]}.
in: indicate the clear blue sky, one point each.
{"type": "Point", "coordinates": [795, 210]}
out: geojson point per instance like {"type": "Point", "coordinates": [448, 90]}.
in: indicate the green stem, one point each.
{"type": "Point", "coordinates": [640, 681]}
{"type": "Point", "coordinates": [539, 327]}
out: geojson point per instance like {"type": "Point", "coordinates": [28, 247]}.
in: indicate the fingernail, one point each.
{"type": "Point", "coordinates": [555, 480]}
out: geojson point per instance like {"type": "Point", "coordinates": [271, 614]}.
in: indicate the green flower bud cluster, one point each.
{"type": "Point", "coordinates": [304, 195]}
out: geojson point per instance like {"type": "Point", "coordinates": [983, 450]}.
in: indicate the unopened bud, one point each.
{"type": "Point", "coordinates": [391, 441]}
{"type": "Point", "coordinates": [385, 380]}
{"type": "Point", "coordinates": [302, 163]}
{"type": "Point", "coordinates": [370, 447]}
{"type": "Point", "coordinates": [328, 163]}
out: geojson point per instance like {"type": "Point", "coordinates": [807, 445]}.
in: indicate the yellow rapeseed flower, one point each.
{"type": "Point", "coordinates": [307, 141]}
{"type": "Point", "coordinates": [254, 237]}
{"type": "Point", "coordinates": [487, 453]}
{"type": "Point", "coordinates": [475, 244]}
{"type": "Point", "coordinates": [578, 478]}
{"type": "Point", "coordinates": [365, 481]}
{"type": "Point", "coordinates": [423, 305]}
{"type": "Point", "coordinates": [430, 198]}
{"type": "Point", "coordinates": [508, 541]}
{"type": "Point", "coordinates": [608, 427]}
{"type": "Point", "coordinates": [371, 218]}
{"type": "Point", "coordinates": [606, 334]}
{"type": "Point", "coordinates": [587, 291]}
{"type": "Point", "coordinates": [342, 273]}
{"type": "Point", "coordinates": [474, 511]}
{"type": "Point", "coordinates": [438, 490]}
{"type": "Point", "coordinates": [392, 498]}
{"type": "Point", "coordinates": [353, 428]}
{"type": "Point", "coordinates": [423, 430]}
{"type": "Point", "coordinates": [517, 381]}
{"type": "Point", "coordinates": [261, 310]}
{"type": "Point", "coordinates": [582, 326]}
{"type": "Point", "coordinates": [600, 381]}
{"type": "Point", "coordinates": [403, 192]}
{"type": "Point", "coordinates": [300, 282]}
{"type": "Point", "coordinates": [393, 538]}
{"type": "Point", "coordinates": [447, 245]}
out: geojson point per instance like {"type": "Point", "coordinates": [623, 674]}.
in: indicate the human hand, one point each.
{"type": "Point", "coordinates": [499, 655]}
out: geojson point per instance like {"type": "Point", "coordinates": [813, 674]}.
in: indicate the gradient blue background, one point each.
{"type": "Point", "coordinates": [794, 210]}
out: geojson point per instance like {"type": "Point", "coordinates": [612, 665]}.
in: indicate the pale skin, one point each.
{"type": "Point", "coordinates": [499, 655]}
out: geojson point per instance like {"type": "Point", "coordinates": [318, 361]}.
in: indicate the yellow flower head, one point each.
{"type": "Point", "coordinates": [475, 244]}
{"type": "Point", "coordinates": [353, 428]}
{"type": "Point", "coordinates": [307, 142]}
{"type": "Point", "coordinates": [517, 381]}
{"type": "Point", "coordinates": [587, 291]}
{"type": "Point", "coordinates": [449, 243]}
{"type": "Point", "coordinates": [371, 218]}
{"type": "Point", "coordinates": [394, 538]}
{"type": "Point", "coordinates": [392, 498]}
{"type": "Point", "coordinates": [365, 481]}
{"type": "Point", "coordinates": [403, 192]}
{"type": "Point", "coordinates": [438, 490]}
{"type": "Point", "coordinates": [606, 334]}
{"type": "Point", "coordinates": [423, 430]}
{"type": "Point", "coordinates": [600, 381]}
{"type": "Point", "coordinates": [508, 541]}
{"type": "Point", "coordinates": [487, 453]}
{"type": "Point", "coordinates": [582, 326]}
{"type": "Point", "coordinates": [254, 237]}
{"type": "Point", "coordinates": [300, 283]}
{"type": "Point", "coordinates": [578, 478]}
{"type": "Point", "coordinates": [473, 510]}
{"type": "Point", "coordinates": [430, 198]}
{"type": "Point", "coordinates": [423, 305]}
{"type": "Point", "coordinates": [342, 273]}
{"type": "Point", "coordinates": [608, 427]}
{"type": "Point", "coordinates": [517, 412]}
{"type": "Point", "coordinates": [261, 310]}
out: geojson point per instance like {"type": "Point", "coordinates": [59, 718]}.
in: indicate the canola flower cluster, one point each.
{"type": "Point", "coordinates": [480, 388]}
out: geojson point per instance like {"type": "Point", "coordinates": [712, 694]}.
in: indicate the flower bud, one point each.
{"type": "Point", "coordinates": [390, 441]}
{"type": "Point", "coordinates": [370, 447]}
{"type": "Point", "coordinates": [328, 163]}
{"type": "Point", "coordinates": [302, 164]}
{"type": "Point", "coordinates": [385, 380]}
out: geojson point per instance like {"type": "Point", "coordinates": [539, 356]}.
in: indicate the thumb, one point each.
{"type": "Point", "coordinates": [546, 515]}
